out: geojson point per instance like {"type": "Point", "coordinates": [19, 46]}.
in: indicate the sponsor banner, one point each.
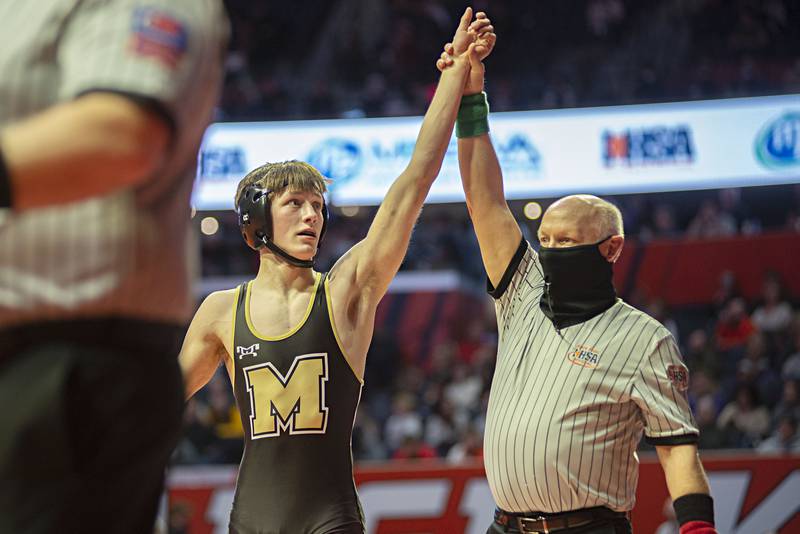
{"type": "Point", "coordinates": [752, 495]}
{"type": "Point", "coordinates": [621, 149]}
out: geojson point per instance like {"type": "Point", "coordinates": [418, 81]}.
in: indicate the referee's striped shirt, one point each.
{"type": "Point", "coordinates": [124, 254]}
{"type": "Point", "coordinates": [567, 408]}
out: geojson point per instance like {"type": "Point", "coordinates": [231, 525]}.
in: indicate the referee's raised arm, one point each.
{"type": "Point", "coordinates": [498, 232]}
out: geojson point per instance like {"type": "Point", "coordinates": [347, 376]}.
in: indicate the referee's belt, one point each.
{"type": "Point", "coordinates": [535, 522]}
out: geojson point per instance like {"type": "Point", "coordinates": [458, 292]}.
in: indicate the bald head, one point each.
{"type": "Point", "coordinates": [591, 218]}
{"type": "Point", "coordinates": [581, 220]}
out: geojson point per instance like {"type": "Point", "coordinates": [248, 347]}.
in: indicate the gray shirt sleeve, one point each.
{"type": "Point", "coordinates": [149, 50]}
{"type": "Point", "coordinates": [660, 391]}
{"type": "Point", "coordinates": [520, 287]}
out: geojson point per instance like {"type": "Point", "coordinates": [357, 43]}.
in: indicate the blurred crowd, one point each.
{"type": "Point", "coordinates": [355, 58]}
{"type": "Point", "coordinates": [745, 368]}
{"type": "Point", "coordinates": [444, 238]}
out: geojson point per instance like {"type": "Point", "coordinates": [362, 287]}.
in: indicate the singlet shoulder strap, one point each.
{"type": "Point", "coordinates": [241, 300]}
{"type": "Point", "coordinates": [319, 297]}
{"type": "Point", "coordinates": [240, 313]}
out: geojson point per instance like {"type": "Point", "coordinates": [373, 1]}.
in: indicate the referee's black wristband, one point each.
{"type": "Point", "coordinates": [5, 184]}
{"type": "Point", "coordinates": [694, 507]}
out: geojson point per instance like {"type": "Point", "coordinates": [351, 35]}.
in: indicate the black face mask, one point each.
{"type": "Point", "coordinates": [578, 283]}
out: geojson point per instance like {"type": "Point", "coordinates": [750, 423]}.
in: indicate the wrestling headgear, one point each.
{"type": "Point", "coordinates": [255, 221]}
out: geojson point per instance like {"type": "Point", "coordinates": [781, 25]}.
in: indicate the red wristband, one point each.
{"type": "Point", "coordinates": [698, 527]}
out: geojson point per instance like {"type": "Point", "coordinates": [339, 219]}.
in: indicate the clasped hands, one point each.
{"type": "Point", "coordinates": [474, 40]}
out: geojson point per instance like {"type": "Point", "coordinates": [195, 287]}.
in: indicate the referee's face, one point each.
{"type": "Point", "coordinates": [570, 224]}
{"type": "Point", "coordinates": [562, 228]}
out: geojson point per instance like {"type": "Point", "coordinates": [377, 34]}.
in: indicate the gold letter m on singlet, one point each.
{"type": "Point", "coordinates": [294, 403]}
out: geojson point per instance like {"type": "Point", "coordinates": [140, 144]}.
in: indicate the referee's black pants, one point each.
{"type": "Point", "coordinates": [90, 411]}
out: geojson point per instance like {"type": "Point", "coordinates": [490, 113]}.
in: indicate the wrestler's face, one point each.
{"type": "Point", "coordinates": [297, 222]}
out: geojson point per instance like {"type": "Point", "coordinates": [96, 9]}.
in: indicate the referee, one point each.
{"type": "Point", "coordinates": [103, 104]}
{"type": "Point", "coordinates": [580, 374]}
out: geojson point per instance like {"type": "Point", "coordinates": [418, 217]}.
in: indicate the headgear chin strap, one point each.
{"type": "Point", "coordinates": [255, 221]}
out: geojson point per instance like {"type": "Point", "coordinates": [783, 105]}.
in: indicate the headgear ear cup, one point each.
{"type": "Point", "coordinates": [254, 216]}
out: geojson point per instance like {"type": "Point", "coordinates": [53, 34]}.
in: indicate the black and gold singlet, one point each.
{"type": "Point", "coordinates": [297, 396]}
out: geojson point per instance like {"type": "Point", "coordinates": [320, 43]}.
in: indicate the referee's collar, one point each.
{"type": "Point", "coordinates": [570, 314]}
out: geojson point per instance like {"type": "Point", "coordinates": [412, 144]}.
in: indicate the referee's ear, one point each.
{"type": "Point", "coordinates": [612, 248]}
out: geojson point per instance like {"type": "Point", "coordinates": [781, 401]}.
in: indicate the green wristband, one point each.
{"type": "Point", "coordinates": [473, 116]}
